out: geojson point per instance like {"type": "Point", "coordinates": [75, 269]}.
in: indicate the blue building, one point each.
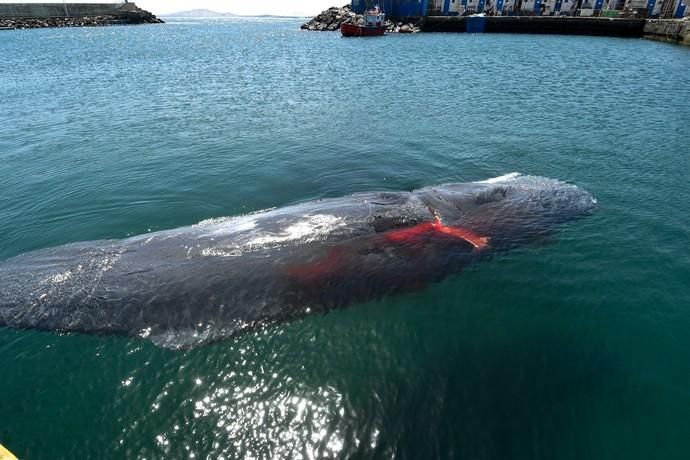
{"type": "Point", "coordinates": [396, 8]}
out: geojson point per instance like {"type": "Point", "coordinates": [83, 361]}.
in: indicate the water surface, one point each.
{"type": "Point", "coordinates": [574, 348]}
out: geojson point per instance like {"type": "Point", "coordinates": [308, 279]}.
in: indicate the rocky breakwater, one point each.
{"type": "Point", "coordinates": [668, 30]}
{"type": "Point", "coordinates": [132, 14]}
{"type": "Point", "coordinates": [39, 23]}
{"type": "Point", "coordinates": [332, 18]}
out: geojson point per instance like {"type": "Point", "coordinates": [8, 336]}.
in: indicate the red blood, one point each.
{"type": "Point", "coordinates": [413, 234]}
{"type": "Point", "coordinates": [325, 267]}
{"type": "Point", "coordinates": [336, 261]}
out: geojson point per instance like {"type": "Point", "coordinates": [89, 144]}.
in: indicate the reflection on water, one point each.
{"type": "Point", "coordinates": [334, 389]}
{"type": "Point", "coordinates": [288, 425]}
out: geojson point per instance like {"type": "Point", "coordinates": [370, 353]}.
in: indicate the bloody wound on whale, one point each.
{"type": "Point", "coordinates": [187, 286]}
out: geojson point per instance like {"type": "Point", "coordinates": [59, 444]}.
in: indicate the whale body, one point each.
{"type": "Point", "coordinates": [194, 284]}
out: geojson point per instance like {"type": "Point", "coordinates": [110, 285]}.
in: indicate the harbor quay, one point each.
{"type": "Point", "coordinates": [662, 20]}
{"type": "Point", "coordinates": [623, 27]}
{"type": "Point", "coordinates": [664, 9]}
{"type": "Point", "coordinates": [41, 15]}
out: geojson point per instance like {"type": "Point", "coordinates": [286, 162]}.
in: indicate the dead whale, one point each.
{"type": "Point", "coordinates": [190, 285]}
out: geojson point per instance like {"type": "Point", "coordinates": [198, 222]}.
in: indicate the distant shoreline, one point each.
{"type": "Point", "coordinates": [234, 16]}
{"type": "Point", "coordinates": [210, 14]}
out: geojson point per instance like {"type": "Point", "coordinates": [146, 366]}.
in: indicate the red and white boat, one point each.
{"type": "Point", "coordinates": [373, 25]}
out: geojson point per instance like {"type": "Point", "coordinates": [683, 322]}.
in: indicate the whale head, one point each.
{"type": "Point", "coordinates": [509, 209]}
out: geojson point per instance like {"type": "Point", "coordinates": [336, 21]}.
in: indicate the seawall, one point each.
{"type": "Point", "coordinates": [34, 15]}
{"type": "Point", "coordinates": [56, 10]}
{"type": "Point", "coordinates": [611, 27]}
{"type": "Point", "coordinates": [668, 30]}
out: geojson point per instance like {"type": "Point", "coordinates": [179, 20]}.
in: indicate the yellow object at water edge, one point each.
{"type": "Point", "coordinates": [6, 454]}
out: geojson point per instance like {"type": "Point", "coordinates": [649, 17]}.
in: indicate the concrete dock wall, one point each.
{"type": "Point", "coordinates": [540, 25]}
{"type": "Point", "coordinates": [668, 30]}
{"type": "Point", "coordinates": [58, 10]}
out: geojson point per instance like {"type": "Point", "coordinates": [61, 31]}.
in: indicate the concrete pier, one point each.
{"type": "Point", "coordinates": [540, 25]}
{"type": "Point", "coordinates": [58, 10]}
{"type": "Point", "coordinates": [35, 15]}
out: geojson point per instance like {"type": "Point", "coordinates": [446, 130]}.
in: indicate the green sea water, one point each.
{"type": "Point", "coordinates": [573, 348]}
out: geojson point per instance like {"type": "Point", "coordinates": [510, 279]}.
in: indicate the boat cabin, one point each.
{"type": "Point", "coordinates": [373, 18]}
